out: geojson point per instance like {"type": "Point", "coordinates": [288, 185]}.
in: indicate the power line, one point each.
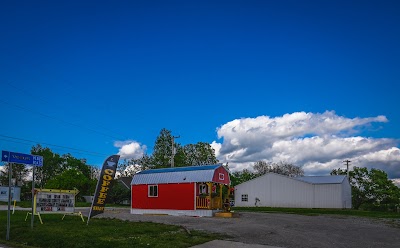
{"type": "Point", "coordinates": [56, 149]}
{"type": "Point", "coordinates": [65, 109]}
{"type": "Point", "coordinates": [58, 119]}
{"type": "Point", "coordinates": [58, 146]}
{"type": "Point", "coordinates": [347, 164]}
{"type": "Point", "coordinates": [173, 150]}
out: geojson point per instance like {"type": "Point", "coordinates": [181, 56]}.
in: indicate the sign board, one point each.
{"type": "Point", "coordinates": [103, 185]}
{"type": "Point", "coordinates": [15, 194]}
{"type": "Point", "coordinates": [20, 158]}
{"type": "Point", "coordinates": [55, 201]}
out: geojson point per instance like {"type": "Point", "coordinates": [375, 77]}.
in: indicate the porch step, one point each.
{"type": "Point", "coordinates": [226, 215]}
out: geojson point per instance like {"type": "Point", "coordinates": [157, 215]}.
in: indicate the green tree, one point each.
{"type": "Point", "coordinates": [52, 165]}
{"type": "Point", "coordinates": [70, 179]}
{"type": "Point", "coordinates": [239, 177]}
{"type": "Point", "coordinates": [118, 193]}
{"type": "Point", "coordinates": [200, 153]}
{"type": "Point", "coordinates": [19, 173]}
{"type": "Point", "coordinates": [70, 162]}
{"type": "Point", "coordinates": [284, 168]}
{"type": "Point", "coordinates": [128, 168]}
{"type": "Point", "coordinates": [162, 150]}
{"type": "Point", "coordinates": [371, 189]}
{"type": "Point", "coordinates": [94, 172]}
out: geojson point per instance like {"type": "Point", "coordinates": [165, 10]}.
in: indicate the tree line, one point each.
{"type": "Point", "coordinates": [58, 172]}
{"type": "Point", "coordinates": [371, 189]}
{"type": "Point", "coordinates": [67, 172]}
{"type": "Point", "coordinates": [165, 149]}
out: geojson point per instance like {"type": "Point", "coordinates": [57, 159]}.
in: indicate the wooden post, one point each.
{"type": "Point", "coordinates": [209, 194]}
{"type": "Point", "coordinates": [220, 196]}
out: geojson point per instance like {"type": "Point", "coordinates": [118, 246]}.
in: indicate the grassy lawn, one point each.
{"type": "Point", "coordinates": [27, 204]}
{"type": "Point", "coordinates": [72, 232]}
{"type": "Point", "coordinates": [307, 211]}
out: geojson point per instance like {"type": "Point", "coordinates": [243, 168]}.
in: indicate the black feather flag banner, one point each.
{"type": "Point", "coordinates": [103, 185]}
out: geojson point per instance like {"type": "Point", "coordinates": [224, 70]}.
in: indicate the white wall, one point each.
{"type": "Point", "coordinates": [346, 194]}
{"type": "Point", "coordinates": [15, 196]}
{"type": "Point", "coordinates": [327, 196]}
{"type": "Point", "coordinates": [274, 190]}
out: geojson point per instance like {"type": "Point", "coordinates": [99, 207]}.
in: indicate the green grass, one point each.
{"type": "Point", "coordinates": [308, 211]}
{"type": "Point", "coordinates": [72, 232]}
{"type": "Point", "coordinates": [27, 204]}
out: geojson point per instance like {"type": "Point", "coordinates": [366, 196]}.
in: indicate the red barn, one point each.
{"type": "Point", "coordinates": [193, 190]}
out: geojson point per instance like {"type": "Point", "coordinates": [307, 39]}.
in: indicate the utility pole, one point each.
{"type": "Point", "coordinates": [173, 150]}
{"type": "Point", "coordinates": [347, 165]}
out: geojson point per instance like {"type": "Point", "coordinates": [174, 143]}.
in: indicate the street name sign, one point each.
{"type": "Point", "coordinates": [20, 158]}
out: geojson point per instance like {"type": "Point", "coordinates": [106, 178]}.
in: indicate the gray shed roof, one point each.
{"type": "Point", "coordinates": [126, 181]}
{"type": "Point", "coordinates": [321, 179]}
{"type": "Point", "coordinates": [188, 174]}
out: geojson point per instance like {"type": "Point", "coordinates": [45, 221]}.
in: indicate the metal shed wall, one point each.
{"type": "Point", "coordinates": [327, 196]}
{"type": "Point", "coordinates": [346, 194]}
{"type": "Point", "coordinates": [274, 190]}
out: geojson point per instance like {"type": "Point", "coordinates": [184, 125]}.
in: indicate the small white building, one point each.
{"type": "Point", "coordinates": [15, 193]}
{"type": "Point", "coordinates": [275, 190]}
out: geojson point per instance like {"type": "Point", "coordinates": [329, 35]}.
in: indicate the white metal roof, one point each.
{"type": "Point", "coordinates": [321, 179]}
{"type": "Point", "coordinates": [176, 175]}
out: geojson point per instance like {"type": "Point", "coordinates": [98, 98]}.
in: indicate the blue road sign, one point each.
{"type": "Point", "coordinates": [20, 158]}
{"type": "Point", "coordinates": [37, 160]}
{"type": "Point", "coordinates": [5, 156]}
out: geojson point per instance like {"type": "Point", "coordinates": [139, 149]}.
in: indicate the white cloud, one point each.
{"type": "Point", "coordinates": [318, 142]}
{"type": "Point", "coordinates": [397, 182]}
{"type": "Point", "coordinates": [130, 149]}
{"type": "Point", "coordinates": [217, 147]}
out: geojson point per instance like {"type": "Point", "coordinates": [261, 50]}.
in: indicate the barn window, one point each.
{"type": "Point", "coordinates": [153, 191]}
{"type": "Point", "coordinates": [203, 189]}
{"type": "Point", "coordinates": [245, 198]}
{"type": "Point", "coordinates": [221, 176]}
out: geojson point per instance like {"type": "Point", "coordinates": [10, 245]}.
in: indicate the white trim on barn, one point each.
{"type": "Point", "coordinates": [274, 190]}
{"type": "Point", "coordinates": [197, 213]}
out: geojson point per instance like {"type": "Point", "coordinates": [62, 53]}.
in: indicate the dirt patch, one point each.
{"type": "Point", "coordinates": [286, 230]}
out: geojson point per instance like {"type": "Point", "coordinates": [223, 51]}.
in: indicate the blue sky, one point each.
{"type": "Point", "coordinates": [88, 74]}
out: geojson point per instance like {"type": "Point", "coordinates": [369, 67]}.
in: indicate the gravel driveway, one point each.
{"type": "Point", "coordinates": [286, 230]}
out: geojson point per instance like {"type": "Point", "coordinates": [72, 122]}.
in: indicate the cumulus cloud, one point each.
{"type": "Point", "coordinates": [130, 149]}
{"type": "Point", "coordinates": [317, 141]}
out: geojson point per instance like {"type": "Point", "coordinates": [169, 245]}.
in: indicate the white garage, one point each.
{"type": "Point", "coordinates": [274, 190]}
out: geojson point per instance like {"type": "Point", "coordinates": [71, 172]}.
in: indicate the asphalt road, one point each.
{"type": "Point", "coordinates": [286, 230]}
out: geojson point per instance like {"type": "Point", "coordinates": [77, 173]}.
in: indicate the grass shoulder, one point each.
{"type": "Point", "coordinates": [28, 204]}
{"type": "Point", "coordinates": [317, 211]}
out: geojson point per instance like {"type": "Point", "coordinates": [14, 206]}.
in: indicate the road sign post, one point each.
{"type": "Point", "coordinates": [19, 158]}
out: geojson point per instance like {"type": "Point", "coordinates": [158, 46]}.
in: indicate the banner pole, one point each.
{"type": "Point", "coordinates": [9, 200]}
{"type": "Point", "coordinates": [33, 194]}
{"type": "Point", "coordinates": [91, 207]}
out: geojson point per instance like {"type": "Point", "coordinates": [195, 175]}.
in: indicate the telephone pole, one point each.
{"type": "Point", "coordinates": [347, 165]}
{"type": "Point", "coordinates": [173, 150]}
